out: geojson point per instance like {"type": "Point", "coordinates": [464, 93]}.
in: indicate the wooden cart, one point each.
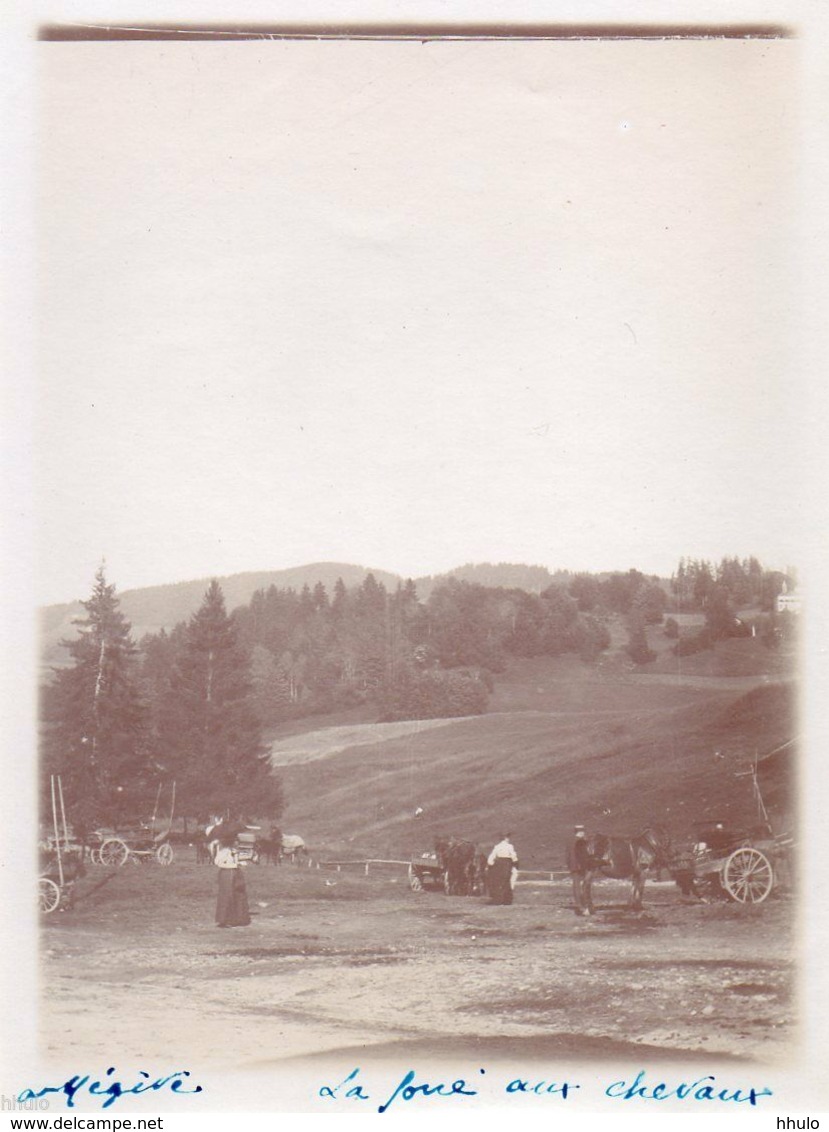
{"type": "Point", "coordinates": [61, 858]}
{"type": "Point", "coordinates": [426, 871]}
{"type": "Point", "coordinates": [144, 841]}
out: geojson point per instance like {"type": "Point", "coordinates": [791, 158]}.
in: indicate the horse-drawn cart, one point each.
{"type": "Point", "coordinates": [746, 865]}
{"type": "Point", "coordinates": [247, 846]}
{"type": "Point", "coordinates": [426, 871]}
{"type": "Point", "coordinates": [142, 841]}
{"type": "Point", "coordinates": [61, 858]}
{"type": "Point", "coordinates": [743, 867]}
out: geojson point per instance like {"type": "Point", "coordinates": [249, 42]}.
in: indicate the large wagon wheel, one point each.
{"type": "Point", "coordinates": [748, 876]}
{"type": "Point", "coordinates": [164, 853]}
{"type": "Point", "coordinates": [48, 895]}
{"type": "Point", "coordinates": [114, 852]}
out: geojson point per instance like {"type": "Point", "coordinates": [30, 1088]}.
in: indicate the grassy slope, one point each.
{"type": "Point", "coordinates": [563, 744]}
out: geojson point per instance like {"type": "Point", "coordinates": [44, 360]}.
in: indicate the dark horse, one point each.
{"type": "Point", "coordinates": [270, 847]}
{"type": "Point", "coordinates": [460, 863]}
{"type": "Point", "coordinates": [627, 858]}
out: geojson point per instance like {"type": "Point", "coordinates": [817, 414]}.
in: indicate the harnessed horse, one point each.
{"type": "Point", "coordinates": [623, 858]}
{"type": "Point", "coordinates": [459, 860]}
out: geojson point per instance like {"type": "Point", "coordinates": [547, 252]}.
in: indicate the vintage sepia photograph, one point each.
{"type": "Point", "coordinates": [418, 571]}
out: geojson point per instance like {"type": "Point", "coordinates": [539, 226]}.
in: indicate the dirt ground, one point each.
{"type": "Point", "coordinates": [335, 962]}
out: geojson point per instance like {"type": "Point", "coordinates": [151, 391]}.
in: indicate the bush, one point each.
{"type": "Point", "coordinates": [589, 637]}
{"type": "Point", "coordinates": [637, 647]}
{"type": "Point", "coordinates": [434, 694]}
{"type": "Point", "coordinates": [639, 653]}
{"type": "Point", "coordinates": [672, 629]}
{"type": "Point", "coordinates": [695, 642]}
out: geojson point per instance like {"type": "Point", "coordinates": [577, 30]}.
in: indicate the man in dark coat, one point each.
{"type": "Point", "coordinates": [580, 862]}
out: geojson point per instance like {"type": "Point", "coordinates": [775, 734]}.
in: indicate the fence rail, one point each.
{"type": "Point", "coordinates": [365, 865]}
{"type": "Point", "coordinates": [540, 876]}
{"type": "Point", "coordinates": [525, 876]}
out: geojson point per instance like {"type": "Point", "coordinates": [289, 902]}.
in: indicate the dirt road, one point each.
{"type": "Point", "coordinates": [334, 962]}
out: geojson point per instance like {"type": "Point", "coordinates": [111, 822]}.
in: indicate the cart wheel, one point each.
{"type": "Point", "coordinates": [95, 856]}
{"type": "Point", "coordinates": [48, 894]}
{"type": "Point", "coordinates": [113, 852]}
{"type": "Point", "coordinates": [748, 876]}
{"type": "Point", "coordinates": [415, 883]}
{"type": "Point", "coordinates": [164, 854]}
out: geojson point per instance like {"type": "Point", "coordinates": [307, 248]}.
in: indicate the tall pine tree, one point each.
{"type": "Point", "coordinates": [210, 734]}
{"type": "Point", "coordinates": [96, 734]}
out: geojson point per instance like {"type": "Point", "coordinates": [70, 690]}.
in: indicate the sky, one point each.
{"type": "Point", "coordinates": [413, 305]}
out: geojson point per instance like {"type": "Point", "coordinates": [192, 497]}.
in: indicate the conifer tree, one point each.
{"type": "Point", "coordinates": [96, 734]}
{"type": "Point", "coordinates": [210, 732]}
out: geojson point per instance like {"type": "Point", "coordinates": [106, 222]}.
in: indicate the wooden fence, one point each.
{"type": "Point", "coordinates": [364, 866]}
{"type": "Point", "coordinates": [525, 876]}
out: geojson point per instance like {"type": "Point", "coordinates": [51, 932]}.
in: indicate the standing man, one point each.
{"type": "Point", "coordinates": [503, 862]}
{"type": "Point", "coordinates": [579, 863]}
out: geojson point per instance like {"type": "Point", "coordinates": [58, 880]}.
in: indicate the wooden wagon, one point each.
{"type": "Point", "coordinates": [139, 842]}
{"type": "Point", "coordinates": [426, 871]}
{"type": "Point", "coordinates": [747, 865]}
{"type": "Point", "coordinates": [743, 867]}
{"type": "Point", "coordinates": [61, 858]}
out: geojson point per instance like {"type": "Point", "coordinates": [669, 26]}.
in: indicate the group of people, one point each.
{"type": "Point", "coordinates": [503, 870]}
{"type": "Point", "coordinates": [232, 909]}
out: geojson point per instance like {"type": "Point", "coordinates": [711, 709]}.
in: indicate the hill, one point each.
{"type": "Point", "coordinates": [510, 575]}
{"type": "Point", "coordinates": [152, 608]}
{"type": "Point", "coordinates": [655, 753]}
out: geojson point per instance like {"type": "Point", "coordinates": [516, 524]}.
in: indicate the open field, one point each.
{"type": "Point", "coordinates": [614, 753]}
{"type": "Point", "coordinates": [335, 965]}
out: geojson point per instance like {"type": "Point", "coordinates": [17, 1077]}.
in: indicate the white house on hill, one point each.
{"type": "Point", "coordinates": [788, 602]}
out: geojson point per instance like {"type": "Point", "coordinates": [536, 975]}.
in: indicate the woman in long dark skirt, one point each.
{"type": "Point", "coordinates": [232, 903]}
{"type": "Point", "coordinates": [502, 861]}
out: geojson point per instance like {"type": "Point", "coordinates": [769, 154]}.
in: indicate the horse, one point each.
{"type": "Point", "coordinates": [293, 848]}
{"type": "Point", "coordinates": [479, 870]}
{"type": "Point", "coordinates": [199, 842]}
{"type": "Point", "coordinates": [270, 847]}
{"type": "Point", "coordinates": [459, 861]}
{"type": "Point", "coordinates": [623, 858]}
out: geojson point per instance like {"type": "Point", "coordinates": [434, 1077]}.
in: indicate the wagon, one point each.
{"type": "Point", "coordinates": [141, 843]}
{"type": "Point", "coordinates": [746, 865]}
{"type": "Point", "coordinates": [61, 858]}
{"type": "Point", "coordinates": [426, 871]}
{"type": "Point", "coordinates": [247, 846]}
{"type": "Point", "coordinates": [60, 866]}
{"type": "Point", "coordinates": [742, 867]}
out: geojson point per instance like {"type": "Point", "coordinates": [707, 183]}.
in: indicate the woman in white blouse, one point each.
{"type": "Point", "coordinates": [232, 904]}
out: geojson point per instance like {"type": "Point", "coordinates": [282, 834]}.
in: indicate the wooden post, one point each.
{"type": "Point", "coordinates": [57, 834]}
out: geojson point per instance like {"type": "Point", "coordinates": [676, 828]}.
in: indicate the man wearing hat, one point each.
{"type": "Point", "coordinates": [579, 862]}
